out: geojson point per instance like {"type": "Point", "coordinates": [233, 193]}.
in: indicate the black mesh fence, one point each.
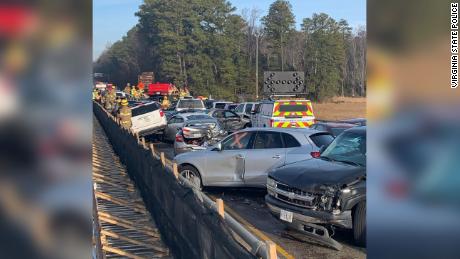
{"type": "Point", "coordinates": [190, 229]}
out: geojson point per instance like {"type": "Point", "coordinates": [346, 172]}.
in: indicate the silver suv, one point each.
{"type": "Point", "coordinates": [245, 157]}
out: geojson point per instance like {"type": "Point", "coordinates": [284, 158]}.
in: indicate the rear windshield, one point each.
{"type": "Point", "coordinates": [322, 139]}
{"type": "Point", "coordinates": [136, 111]}
{"type": "Point", "coordinates": [190, 104]}
{"type": "Point", "coordinates": [199, 117]}
{"type": "Point", "coordinates": [293, 108]}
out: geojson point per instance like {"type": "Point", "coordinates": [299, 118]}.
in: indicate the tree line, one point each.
{"type": "Point", "coordinates": [205, 45]}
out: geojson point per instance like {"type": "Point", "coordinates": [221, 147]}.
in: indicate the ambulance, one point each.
{"type": "Point", "coordinates": [289, 113]}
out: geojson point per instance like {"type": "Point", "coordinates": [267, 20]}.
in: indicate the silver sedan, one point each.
{"type": "Point", "coordinates": [244, 158]}
{"type": "Point", "coordinates": [176, 122]}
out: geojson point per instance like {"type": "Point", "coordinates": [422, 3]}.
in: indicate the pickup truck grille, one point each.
{"type": "Point", "coordinates": [293, 196]}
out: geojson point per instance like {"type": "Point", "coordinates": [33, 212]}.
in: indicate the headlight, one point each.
{"type": "Point", "coordinates": [346, 190]}
{"type": "Point", "coordinates": [271, 182]}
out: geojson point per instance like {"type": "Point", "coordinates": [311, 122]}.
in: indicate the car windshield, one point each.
{"type": "Point", "coordinates": [337, 131]}
{"type": "Point", "coordinates": [190, 104]}
{"type": "Point", "coordinates": [349, 147]}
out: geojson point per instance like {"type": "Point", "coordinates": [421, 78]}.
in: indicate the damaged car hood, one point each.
{"type": "Point", "coordinates": [310, 175]}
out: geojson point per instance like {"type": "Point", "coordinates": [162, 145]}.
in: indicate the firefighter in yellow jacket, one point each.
{"type": "Point", "coordinates": [127, 89]}
{"type": "Point", "coordinates": [124, 114]}
{"type": "Point", "coordinates": [165, 103]}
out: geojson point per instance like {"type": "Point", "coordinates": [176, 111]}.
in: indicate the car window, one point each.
{"type": "Point", "coordinates": [320, 127]}
{"type": "Point", "coordinates": [239, 108]}
{"type": "Point", "coordinates": [256, 107]}
{"type": "Point", "coordinates": [293, 107]}
{"type": "Point", "coordinates": [237, 141]}
{"type": "Point", "coordinates": [172, 120]}
{"type": "Point", "coordinates": [198, 117]}
{"type": "Point", "coordinates": [136, 111]}
{"type": "Point", "coordinates": [268, 140]}
{"type": "Point", "coordinates": [220, 105]}
{"type": "Point", "coordinates": [229, 114]}
{"type": "Point", "coordinates": [218, 114]}
{"type": "Point", "coordinates": [176, 120]}
{"type": "Point", "coordinates": [248, 108]}
{"type": "Point", "coordinates": [322, 139]}
{"type": "Point", "coordinates": [190, 104]}
{"type": "Point", "coordinates": [290, 141]}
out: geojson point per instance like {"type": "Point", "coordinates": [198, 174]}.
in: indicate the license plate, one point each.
{"type": "Point", "coordinates": [286, 216]}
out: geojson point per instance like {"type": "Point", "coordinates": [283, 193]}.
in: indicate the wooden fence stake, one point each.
{"type": "Point", "coordinates": [220, 207]}
{"type": "Point", "coordinates": [162, 157]}
{"type": "Point", "coordinates": [175, 171]}
{"type": "Point", "coordinates": [143, 143]}
{"type": "Point", "coordinates": [152, 148]}
{"type": "Point", "coordinates": [271, 249]}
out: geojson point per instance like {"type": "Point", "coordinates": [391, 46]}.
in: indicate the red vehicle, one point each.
{"type": "Point", "coordinates": [159, 89]}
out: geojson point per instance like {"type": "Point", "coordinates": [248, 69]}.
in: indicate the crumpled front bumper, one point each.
{"type": "Point", "coordinates": [306, 216]}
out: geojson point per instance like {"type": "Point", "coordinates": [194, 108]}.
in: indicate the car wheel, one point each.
{"type": "Point", "coordinates": [359, 223]}
{"type": "Point", "coordinates": [191, 173]}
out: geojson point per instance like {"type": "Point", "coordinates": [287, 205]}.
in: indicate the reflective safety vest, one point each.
{"type": "Point", "coordinates": [125, 115]}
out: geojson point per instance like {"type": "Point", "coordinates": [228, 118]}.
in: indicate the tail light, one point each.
{"type": "Point", "coordinates": [162, 113]}
{"type": "Point", "coordinates": [271, 122]}
{"type": "Point", "coordinates": [179, 138]}
{"type": "Point", "coordinates": [315, 154]}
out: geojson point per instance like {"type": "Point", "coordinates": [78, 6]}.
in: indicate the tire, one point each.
{"type": "Point", "coordinates": [359, 223]}
{"type": "Point", "coordinates": [191, 173]}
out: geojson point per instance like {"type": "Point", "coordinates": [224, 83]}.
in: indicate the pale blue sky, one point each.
{"type": "Point", "coordinates": [113, 18]}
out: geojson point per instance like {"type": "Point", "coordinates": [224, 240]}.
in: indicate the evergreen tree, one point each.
{"type": "Point", "coordinates": [279, 24]}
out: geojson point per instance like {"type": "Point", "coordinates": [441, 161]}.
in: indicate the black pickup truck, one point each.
{"type": "Point", "coordinates": [315, 195]}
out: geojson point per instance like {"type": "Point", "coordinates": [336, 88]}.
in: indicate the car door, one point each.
{"type": "Point", "coordinates": [267, 152]}
{"type": "Point", "coordinates": [174, 125]}
{"type": "Point", "coordinates": [226, 167]}
{"type": "Point", "coordinates": [233, 122]}
{"type": "Point", "coordinates": [295, 151]}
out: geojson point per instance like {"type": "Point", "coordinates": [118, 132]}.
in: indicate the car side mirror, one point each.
{"type": "Point", "coordinates": [218, 147]}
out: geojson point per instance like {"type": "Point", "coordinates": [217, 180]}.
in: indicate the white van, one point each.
{"type": "Point", "coordinates": [284, 114]}
{"type": "Point", "coordinates": [148, 118]}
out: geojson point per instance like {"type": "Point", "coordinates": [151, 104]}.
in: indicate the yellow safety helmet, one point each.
{"type": "Point", "coordinates": [124, 102]}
